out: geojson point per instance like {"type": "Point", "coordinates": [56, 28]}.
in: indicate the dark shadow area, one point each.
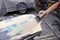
{"type": "Point", "coordinates": [50, 32]}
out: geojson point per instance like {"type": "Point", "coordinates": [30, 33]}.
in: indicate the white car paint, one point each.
{"type": "Point", "coordinates": [18, 27]}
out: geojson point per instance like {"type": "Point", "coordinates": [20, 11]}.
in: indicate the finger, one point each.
{"type": "Point", "coordinates": [41, 12]}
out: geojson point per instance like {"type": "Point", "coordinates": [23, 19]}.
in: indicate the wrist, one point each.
{"type": "Point", "coordinates": [46, 11]}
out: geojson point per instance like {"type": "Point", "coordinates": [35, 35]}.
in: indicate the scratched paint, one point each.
{"type": "Point", "coordinates": [9, 28]}
{"type": "Point", "coordinates": [4, 36]}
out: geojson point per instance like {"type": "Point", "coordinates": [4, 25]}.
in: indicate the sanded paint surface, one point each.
{"type": "Point", "coordinates": [19, 26]}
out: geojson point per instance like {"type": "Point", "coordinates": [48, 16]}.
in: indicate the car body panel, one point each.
{"type": "Point", "coordinates": [15, 28]}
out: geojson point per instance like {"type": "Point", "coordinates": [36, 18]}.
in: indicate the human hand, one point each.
{"type": "Point", "coordinates": [42, 13]}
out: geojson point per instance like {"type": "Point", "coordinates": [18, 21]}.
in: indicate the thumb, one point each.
{"type": "Point", "coordinates": [41, 12]}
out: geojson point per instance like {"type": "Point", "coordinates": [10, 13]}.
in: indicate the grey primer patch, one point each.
{"type": "Point", "coordinates": [3, 35]}
{"type": "Point", "coordinates": [37, 18]}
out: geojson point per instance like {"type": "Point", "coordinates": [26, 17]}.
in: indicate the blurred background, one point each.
{"type": "Point", "coordinates": [50, 24]}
